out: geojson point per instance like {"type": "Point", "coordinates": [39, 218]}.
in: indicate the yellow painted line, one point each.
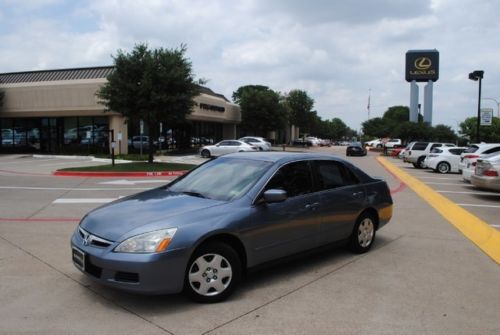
{"type": "Point", "coordinates": [482, 234]}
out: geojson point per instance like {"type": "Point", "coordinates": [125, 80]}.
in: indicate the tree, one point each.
{"type": "Point", "coordinates": [153, 85]}
{"type": "Point", "coordinates": [376, 127]}
{"type": "Point", "coordinates": [261, 110]}
{"type": "Point", "coordinates": [443, 133]}
{"type": "Point", "coordinates": [300, 106]}
{"type": "Point", "coordinates": [487, 133]}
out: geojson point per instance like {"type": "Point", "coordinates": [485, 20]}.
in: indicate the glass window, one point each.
{"type": "Point", "coordinates": [7, 133]}
{"type": "Point", "coordinates": [419, 146]}
{"type": "Point", "coordinates": [294, 178]}
{"type": "Point", "coordinates": [333, 175]}
{"type": "Point", "coordinates": [221, 179]}
{"type": "Point", "coordinates": [492, 150]}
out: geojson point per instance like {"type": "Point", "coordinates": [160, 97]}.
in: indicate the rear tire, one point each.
{"type": "Point", "coordinates": [205, 153]}
{"type": "Point", "coordinates": [420, 162]}
{"type": "Point", "coordinates": [443, 167]}
{"type": "Point", "coordinates": [363, 234]}
{"type": "Point", "coordinates": [213, 273]}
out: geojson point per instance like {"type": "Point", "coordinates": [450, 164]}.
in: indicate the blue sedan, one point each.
{"type": "Point", "coordinates": [201, 232]}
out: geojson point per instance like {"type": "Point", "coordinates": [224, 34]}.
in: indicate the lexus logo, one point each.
{"type": "Point", "coordinates": [423, 63]}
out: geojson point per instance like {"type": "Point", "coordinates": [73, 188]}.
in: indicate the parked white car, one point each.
{"type": "Point", "coordinates": [226, 147]}
{"type": "Point", "coordinates": [416, 152]}
{"type": "Point", "coordinates": [375, 143]}
{"type": "Point", "coordinates": [258, 142]}
{"type": "Point", "coordinates": [444, 159]}
{"type": "Point", "coordinates": [470, 156]}
{"type": "Point", "coordinates": [393, 142]}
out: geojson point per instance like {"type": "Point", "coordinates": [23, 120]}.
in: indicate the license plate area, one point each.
{"type": "Point", "coordinates": [78, 257]}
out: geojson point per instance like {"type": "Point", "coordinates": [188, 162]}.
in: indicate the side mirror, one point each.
{"type": "Point", "coordinates": [275, 195]}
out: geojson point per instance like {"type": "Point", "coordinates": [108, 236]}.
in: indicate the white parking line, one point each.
{"type": "Point", "coordinates": [433, 183]}
{"type": "Point", "coordinates": [84, 201]}
{"type": "Point", "coordinates": [475, 193]}
{"type": "Point", "coordinates": [74, 189]}
{"type": "Point", "coordinates": [443, 178]}
{"type": "Point", "coordinates": [476, 205]}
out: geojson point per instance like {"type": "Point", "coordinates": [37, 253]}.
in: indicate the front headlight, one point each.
{"type": "Point", "coordinates": [156, 241]}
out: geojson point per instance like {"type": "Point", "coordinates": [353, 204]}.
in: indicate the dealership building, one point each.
{"type": "Point", "coordinates": [57, 111]}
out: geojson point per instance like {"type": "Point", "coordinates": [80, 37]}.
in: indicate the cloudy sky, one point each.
{"type": "Point", "coordinates": [335, 50]}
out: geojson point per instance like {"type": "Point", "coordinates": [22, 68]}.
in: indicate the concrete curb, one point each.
{"type": "Point", "coordinates": [119, 174]}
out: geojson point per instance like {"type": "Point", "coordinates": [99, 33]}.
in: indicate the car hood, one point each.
{"type": "Point", "coordinates": [117, 218]}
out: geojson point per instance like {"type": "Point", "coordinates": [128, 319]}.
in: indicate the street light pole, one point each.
{"type": "Point", "coordinates": [477, 75]}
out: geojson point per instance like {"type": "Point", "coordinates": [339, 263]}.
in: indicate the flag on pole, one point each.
{"type": "Point", "coordinates": [368, 106]}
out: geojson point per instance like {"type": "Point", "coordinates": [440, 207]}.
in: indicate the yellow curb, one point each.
{"type": "Point", "coordinates": [479, 232]}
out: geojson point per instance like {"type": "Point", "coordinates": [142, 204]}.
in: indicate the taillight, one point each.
{"type": "Point", "coordinates": [490, 173]}
{"type": "Point", "coordinates": [471, 156]}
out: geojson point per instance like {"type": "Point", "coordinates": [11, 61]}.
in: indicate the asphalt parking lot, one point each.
{"type": "Point", "coordinates": [422, 276]}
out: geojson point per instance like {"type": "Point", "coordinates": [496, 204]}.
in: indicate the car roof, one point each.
{"type": "Point", "coordinates": [281, 156]}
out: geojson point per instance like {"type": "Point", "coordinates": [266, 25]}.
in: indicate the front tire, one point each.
{"type": "Point", "coordinates": [363, 234]}
{"type": "Point", "coordinates": [213, 273]}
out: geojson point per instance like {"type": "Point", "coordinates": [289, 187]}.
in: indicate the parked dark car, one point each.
{"type": "Point", "coordinates": [201, 232]}
{"type": "Point", "coordinates": [355, 149]}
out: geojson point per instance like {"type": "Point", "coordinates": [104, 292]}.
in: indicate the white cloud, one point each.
{"type": "Point", "coordinates": [335, 50]}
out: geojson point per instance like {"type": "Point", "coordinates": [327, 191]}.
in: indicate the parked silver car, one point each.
{"type": "Point", "coordinates": [487, 172]}
{"type": "Point", "coordinates": [226, 147]}
{"type": "Point", "coordinates": [200, 233]}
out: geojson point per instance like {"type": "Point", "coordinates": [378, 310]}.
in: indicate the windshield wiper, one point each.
{"type": "Point", "coordinates": [194, 194]}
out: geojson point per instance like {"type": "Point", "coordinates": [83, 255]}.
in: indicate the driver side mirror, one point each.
{"type": "Point", "coordinates": [274, 195]}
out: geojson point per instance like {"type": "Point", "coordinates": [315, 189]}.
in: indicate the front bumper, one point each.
{"type": "Point", "coordinates": [161, 273]}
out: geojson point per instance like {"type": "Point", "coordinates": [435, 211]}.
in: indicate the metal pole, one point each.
{"type": "Point", "coordinates": [112, 147]}
{"type": "Point", "coordinates": [478, 138]}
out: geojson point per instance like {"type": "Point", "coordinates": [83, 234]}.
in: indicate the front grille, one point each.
{"type": "Point", "coordinates": [92, 240]}
{"type": "Point", "coordinates": [127, 277]}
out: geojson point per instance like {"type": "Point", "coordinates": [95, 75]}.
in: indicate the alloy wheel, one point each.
{"type": "Point", "coordinates": [366, 230]}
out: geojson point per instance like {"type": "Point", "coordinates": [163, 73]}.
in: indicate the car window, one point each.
{"type": "Point", "coordinates": [456, 151]}
{"type": "Point", "coordinates": [420, 146]}
{"type": "Point", "coordinates": [222, 179]}
{"type": "Point", "coordinates": [436, 151]}
{"type": "Point", "coordinates": [492, 150]}
{"type": "Point", "coordinates": [471, 149]}
{"type": "Point", "coordinates": [294, 178]}
{"type": "Point", "coordinates": [334, 174]}
{"type": "Point", "coordinates": [435, 145]}
{"type": "Point", "coordinates": [224, 143]}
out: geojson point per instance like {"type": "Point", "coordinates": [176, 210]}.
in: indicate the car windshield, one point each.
{"type": "Point", "coordinates": [222, 179]}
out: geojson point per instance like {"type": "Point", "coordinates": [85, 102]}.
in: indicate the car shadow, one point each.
{"type": "Point", "coordinates": [260, 281]}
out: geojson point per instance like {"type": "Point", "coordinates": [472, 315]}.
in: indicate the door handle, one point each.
{"type": "Point", "coordinates": [358, 194]}
{"type": "Point", "coordinates": [312, 206]}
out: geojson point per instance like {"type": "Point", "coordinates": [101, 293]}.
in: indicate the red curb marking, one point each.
{"type": "Point", "coordinates": [402, 184]}
{"type": "Point", "coordinates": [39, 219]}
{"type": "Point", "coordinates": [119, 174]}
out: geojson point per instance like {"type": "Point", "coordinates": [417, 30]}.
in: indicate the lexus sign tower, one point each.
{"type": "Point", "coordinates": [421, 66]}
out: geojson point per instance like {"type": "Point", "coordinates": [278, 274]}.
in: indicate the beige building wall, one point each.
{"type": "Point", "coordinates": [69, 98]}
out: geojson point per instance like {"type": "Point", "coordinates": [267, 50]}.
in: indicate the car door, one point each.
{"type": "Point", "coordinates": [279, 229]}
{"type": "Point", "coordinates": [220, 148]}
{"type": "Point", "coordinates": [454, 158]}
{"type": "Point", "coordinates": [342, 198]}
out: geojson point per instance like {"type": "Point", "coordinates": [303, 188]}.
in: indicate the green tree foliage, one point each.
{"type": "Point", "coordinates": [443, 133]}
{"type": "Point", "coordinates": [153, 85]}
{"type": "Point", "coordinates": [377, 127]}
{"type": "Point", "coordinates": [491, 134]}
{"type": "Point", "coordinates": [261, 110]}
{"type": "Point", "coordinates": [300, 105]}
